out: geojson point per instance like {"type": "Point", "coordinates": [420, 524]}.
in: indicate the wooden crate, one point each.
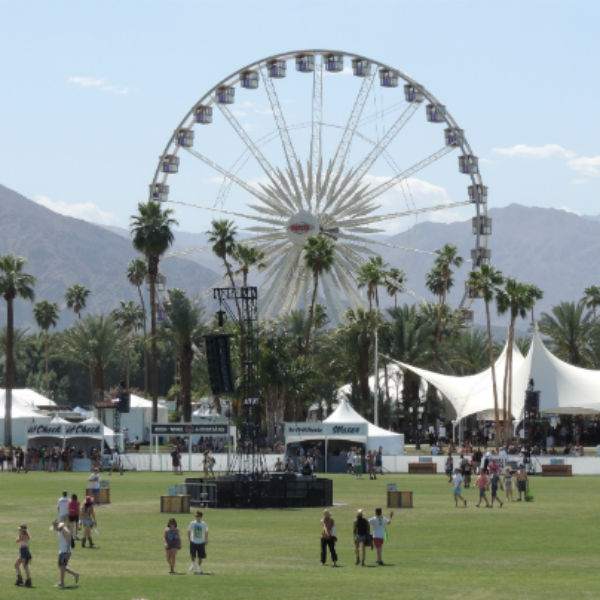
{"type": "Point", "coordinates": [103, 496]}
{"type": "Point", "coordinates": [400, 499]}
{"type": "Point", "coordinates": [422, 467]}
{"type": "Point", "coordinates": [177, 503]}
{"type": "Point", "coordinates": [557, 471]}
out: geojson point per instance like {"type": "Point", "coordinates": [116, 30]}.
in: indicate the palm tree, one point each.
{"type": "Point", "coordinates": [483, 283]}
{"type": "Point", "coordinates": [222, 237]}
{"type": "Point", "coordinates": [130, 318]}
{"type": "Point", "coordinates": [319, 255]}
{"type": "Point", "coordinates": [446, 258]}
{"type": "Point", "coordinates": [371, 275]}
{"type": "Point", "coordinates": [248, 257]}
{"type": "Point", "coordinates": [46, 316]}
{"type": "Point", "coordinates": [184, 322]}
{"type": "Point", "coordinates": [76, 298]}
{"type": "Point", "coordinates": [152, 236]}
{"type": "Point", "coordinates": [535, 294]}
{"type": "Point", "coordinates": [94, 343]}
{"type": "Point", "coordinates": [14, 283]}
{"type": "Point", "coordinates": [591, 295]}
{"type": "Point", "coordinates": [570, 331]}
{"type": "Point", "coordinates": [517, 299]}
{"type": "Point", "coordinates": [137, 270]}
{"type": "Point", "coordinates": [395, 280]}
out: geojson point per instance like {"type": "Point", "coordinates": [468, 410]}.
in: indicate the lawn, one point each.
{"type": "Point", "coordinates": [545, 548]}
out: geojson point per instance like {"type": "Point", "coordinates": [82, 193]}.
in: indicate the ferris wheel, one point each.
{"type": "Point", "coordinates": [320, 142]}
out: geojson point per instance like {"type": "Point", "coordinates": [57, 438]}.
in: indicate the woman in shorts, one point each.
{"type": "Point", "coordinates": [24, 556]}
{"type": "Point", "coordinates": [172, 540]}
{"type": "Point", "coordinates": [361, 535]}
{"type": "Point", "coordinates": [73, 508]}
{"type": "Point", "coordinates": [88, 520]}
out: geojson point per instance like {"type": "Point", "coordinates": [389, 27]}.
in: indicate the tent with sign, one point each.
{"type": "Point", "coordinates": [86, 435]}
{"type": "Point", "coordinates": [47, 434]}
{"type": "Point", "coordinates": [25, 413]}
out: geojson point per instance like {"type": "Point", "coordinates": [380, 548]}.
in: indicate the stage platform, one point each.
{"type": "Point", "coordinates": [275, 490]}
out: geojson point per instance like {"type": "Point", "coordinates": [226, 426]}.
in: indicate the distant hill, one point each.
{"type": "Point", "coordinates": [554, 249]}
{"type": "Point", "coordinates": [62, 251]}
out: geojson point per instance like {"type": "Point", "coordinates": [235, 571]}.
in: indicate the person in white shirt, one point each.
{"type": "Point", "coordinates": [64, 553]}
{"type": "Point", "coordinates": [457, 488]}
{"type": "Point", "coordinates": [198, 537]}
{"type": "Point", "coordinates": [63, 506]}
{"type": "Point", "coordinates": [378, 524]}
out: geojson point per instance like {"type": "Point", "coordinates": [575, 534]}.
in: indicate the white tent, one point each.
{"type": "Point", "coordinates": [392, 443]}
{"type": "Point", "coordinates": [48, 434]}
{"type": "Point", "coordinates": [24, 413]}
{"type": "Point", "coordinates": [138, 420]}
{"type": "Point", "coordinates": [564, 388]}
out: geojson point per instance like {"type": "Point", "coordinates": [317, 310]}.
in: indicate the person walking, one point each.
{"type": "Point", "coordinates": [482, 483]}
{"type": "Point", "coordinates": [457, 488]}
{"type": "Point", "coordinates": [495, 480]}
{"type": "Point", "coordinates": [172, 540]}
{"type": "Point", "coordinates": [88, 520]}
{"type": "Point", "coordinates": [198, 538]}
{"type": "Point", "coordinates": [521, 482]}
{"type": "Point", "coordinates": [24, 559]}
{"type": "Point", "coordinates": [361, 533]}
{"type": "Point", "coordinates": [94, 485]}
{"type": "Point", "coordinates": [508, 484]}
{"type": "Point", "coordinates": [62, 506]}
{"type": "Point", "coordinates": [73, 512]}
{"type": "Point", "coordinates": [64, 553]}
{"type": "Point", "coordinates": [328, 538]}
{"type": "Point", "coordinates": [378, 524]}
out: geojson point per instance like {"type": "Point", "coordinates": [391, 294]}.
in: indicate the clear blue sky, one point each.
{"type": "Point", "coordinates": [91, 91]}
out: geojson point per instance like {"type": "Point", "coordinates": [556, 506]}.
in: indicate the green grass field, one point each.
{"type": "Point", "coordinates": [546, 548]}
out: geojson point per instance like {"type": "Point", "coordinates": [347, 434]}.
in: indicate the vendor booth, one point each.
{"type": "Point", "coordinates": [346, 425]}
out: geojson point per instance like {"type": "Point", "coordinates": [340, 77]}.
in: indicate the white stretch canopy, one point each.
{"type": "Point", "coordinates": [24, 413]}
{"type": "Point", "coordinates": [564, 388]}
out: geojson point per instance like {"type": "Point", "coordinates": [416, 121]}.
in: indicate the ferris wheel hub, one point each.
{"type": "Point", "coordinates": [301, 226]}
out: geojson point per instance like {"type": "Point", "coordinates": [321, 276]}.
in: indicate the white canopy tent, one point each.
{"type": "Point", "coordinates": [24, 413]}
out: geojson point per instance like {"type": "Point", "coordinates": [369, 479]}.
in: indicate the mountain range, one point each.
{"type": "Point", "coordinates": [550, 248]}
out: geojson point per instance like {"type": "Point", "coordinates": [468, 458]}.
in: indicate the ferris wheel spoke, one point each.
{"type": "Point", "coordinates": [363, 167]}
{"type": "Point", "coordinates": [291, 158]}
{"type": "Point", "coordinates": [418, 166]}
{"type": "Point", "coordinates": [211, 163]}
{"type": "Point", "coordinates": [250, 145]}
{"type": "Point", "coordinates": [279, 277]}
{"type": "Point", "coordinates": [222, 211]}
{"type": "Point", "coordinates": [339, 159]}
{"type": "Point", "coordinates": [316, 138]}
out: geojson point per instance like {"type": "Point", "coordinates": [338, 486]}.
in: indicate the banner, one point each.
{"type": "Point", "coordinates": [325, 430]}
{"type": "Point", "coordinates": [189, 428]}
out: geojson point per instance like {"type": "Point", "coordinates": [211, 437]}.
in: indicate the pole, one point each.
{"type": "Point", "coordinates": [376, 381]}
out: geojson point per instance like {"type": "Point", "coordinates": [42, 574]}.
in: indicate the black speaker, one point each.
{"type": "Point", "coordinates": [218, 358]}
{"type": "Point", "coordinates": [532, 401]}
{"type": "Point", "coordinates": [124, 404]}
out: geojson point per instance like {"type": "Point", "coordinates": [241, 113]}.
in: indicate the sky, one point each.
{"type": "Point", "coordinates": [92, 91]}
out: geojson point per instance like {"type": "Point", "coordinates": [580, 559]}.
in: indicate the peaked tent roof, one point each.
{"type": "Point", "coordinates": [472, 394]}
{"type": "Point", "coordinates": [564, 388]}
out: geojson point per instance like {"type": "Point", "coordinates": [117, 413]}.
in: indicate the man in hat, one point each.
{"type": "Point", "coordinates": [64, 553]}
{"type": "Point", "coordinates": [198, 537]}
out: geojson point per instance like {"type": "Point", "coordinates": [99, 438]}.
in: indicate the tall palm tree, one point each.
{"type": "Point", "coordinates": [395, 281]}
{"type": "Point", "coordinates": [483, 283]}
{"type": "Point", "coordinates": [46, 316]}
{"type": "Point", "coordinates": [248, 257]}
{"type": "Point", "coordinates": [570, 331]}
{"type": "Point", "coordinates": [14, 283]}
{"type": "Point", "coordinates": [535, 294]}
{"type": "Point", "coordinates": [371, 275]}
{"type": "Point", "coordinates": [93, 342]}
{"type": "Point", "coordinates": [151, 230]}
{"type": "Point", "coordinates": [222, 237]}
{"type": "Point", "coordinates": [319, 256]}
{"type": "Point", "coordinates": [446, 258]}
{"type": "Point", "coordinates": [183, 324]}
{"type": "Point", "coordinates": [137, 270]}
{"type": "Point", "coordinates": [516, 299]}
{"type": "Point", "coordinates": [591, 295]}
{"type": "Point", "coordinates": [130, 318]}
{"type": "Point", "coordinates": [76, 298]}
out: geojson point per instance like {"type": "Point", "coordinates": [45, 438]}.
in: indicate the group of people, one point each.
{"type": "Point", "coordinates": [197, 533]}
{"type": "Point", "coordinates": [357, 462]}
{"type": "Point", "coordinates": [366, 533]}
{"type": "Point", "coordinates": [72, 518]}
{"type": "Point", "coordinates": [45, 458]}
{"type": "Point", "coordinates": [485, 483]}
